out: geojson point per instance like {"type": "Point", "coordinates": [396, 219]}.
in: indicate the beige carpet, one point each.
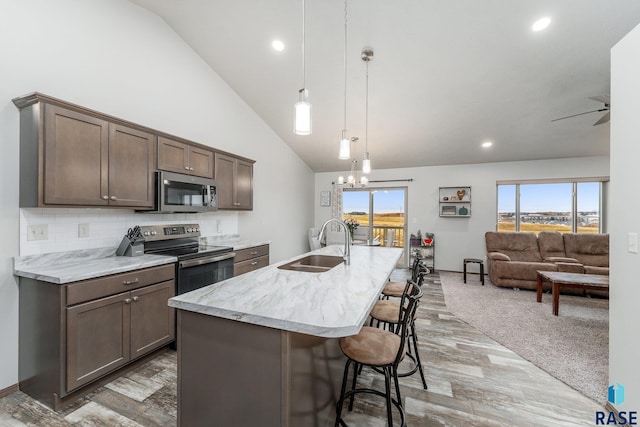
{"type": "Point", "coordinates": [573, 347]}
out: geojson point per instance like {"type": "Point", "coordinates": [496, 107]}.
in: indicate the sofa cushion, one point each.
{"type": "Point", "coordinates": [588, 249]}
{"type": "Point", "coordinates": [596, 270]}
{"type": "Point", "coordinates": [520, 270]}
{"type": "Point", "coordinates": [517, 246]}
{"type": "Point", "coordinates": [550, 244]}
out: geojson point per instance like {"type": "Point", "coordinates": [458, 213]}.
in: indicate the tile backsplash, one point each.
{"type": "Point", "coordinates": [44, 230]}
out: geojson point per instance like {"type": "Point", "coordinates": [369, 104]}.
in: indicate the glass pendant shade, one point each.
{"type": "Point", "coordinates": [351, 179]}
{"type": "Point", "coordinates": [345, 146]}
{"type": "Point", "coordinates": [341, 180]}
{"type": "Point", "coordinates": [364, 181]}
{"type": "Point", "coordinates": [366, 164]}
{"type": "Point", "coordinates": [302, 121]}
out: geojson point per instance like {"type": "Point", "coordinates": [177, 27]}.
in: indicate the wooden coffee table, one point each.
{"type": "Point", "coordinates": [569, 280]}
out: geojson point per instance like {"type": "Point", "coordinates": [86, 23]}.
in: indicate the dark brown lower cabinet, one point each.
{"type": "Point", "coordinates": [250, 259]}
{"type": "Point", "coordinates": [74, 334]}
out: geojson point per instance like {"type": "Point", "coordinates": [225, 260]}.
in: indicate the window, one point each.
{"type": "Point", "coordinates": [570, 206]}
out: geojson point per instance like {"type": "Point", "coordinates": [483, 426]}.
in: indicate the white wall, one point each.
{"type": "Point", "coordinates": [458, 238]}
{"type": "Point", "coordinates": [625, 151]}
{"type": "Point", "coordinates": [119, 59]}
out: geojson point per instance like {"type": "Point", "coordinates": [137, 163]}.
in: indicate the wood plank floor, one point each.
{"type": "Point", "coordinates": [473, 381]}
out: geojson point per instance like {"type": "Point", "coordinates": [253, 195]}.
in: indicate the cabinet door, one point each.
{"type": "Point", "coordinates": [173, 156]}
{"type": "Point", "coordinates": [201, 162]}
{"type": "Point", "coordinates": [225, 181]}
{"type": "Point", "coordinates": [75, 158]}
{"type": "Point", "coordinates": [131, 167]}
{"type": "Point", "coordinates": [244, 185]}
{"type": "Point", "coordinates": [152, 320]}
{"type": "Point", "coordinates": [97, 338]}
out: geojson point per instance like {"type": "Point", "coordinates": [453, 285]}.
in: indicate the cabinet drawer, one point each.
{"type": "Point", "coordinates": [250, 265]}
{"type": "Point", "coordinates": [254, 252]}
{"type": "Point", "coordinates": [110, 285]}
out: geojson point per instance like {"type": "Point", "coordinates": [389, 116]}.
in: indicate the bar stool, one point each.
{"type": "Point", "coordinates": [380, 349]}
{"type": "Point", "coordinates": [395, 289]}
{"type": "Point", "coordinates": [476, 261]}
{"type": "Point", "coordinates": [389, 314]}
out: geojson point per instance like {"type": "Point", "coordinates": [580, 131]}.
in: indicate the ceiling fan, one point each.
{"type": "Point", "coordinates": [606, 100]}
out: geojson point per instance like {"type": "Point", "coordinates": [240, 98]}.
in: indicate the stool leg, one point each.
{"type": "Point", "coordinates": [353, 383]}
{"type": "Point", "coordinates": [394, 372]}
{"type": "Point", "coordinates": [418, 361]}
{"type": "Point", "coordinates": [482, 273]}
{"type": "Point", "coordinates": [387, 388]}
{"type": "Point", "coordinates": [464, 269]}
{"type": "Point", "coordinates": [342, 391]}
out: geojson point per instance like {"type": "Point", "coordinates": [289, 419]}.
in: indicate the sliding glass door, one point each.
{"type": "Point", "coordinates": [381, 212]}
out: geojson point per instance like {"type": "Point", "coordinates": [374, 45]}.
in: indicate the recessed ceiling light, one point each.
{"type": "Point", "coordinates": [487, 144]}
{"type": "Point", "coordinates": [541, 24]}
{"type": "Point", "coordinates": [277, 45]}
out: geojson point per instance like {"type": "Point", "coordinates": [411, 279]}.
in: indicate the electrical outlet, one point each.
{"type": "Point", "coordinates": [83, 230]}
{"type": "Point", "coordinates": [38, 232]}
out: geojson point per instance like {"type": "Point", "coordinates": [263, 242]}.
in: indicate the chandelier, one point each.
{"type": "Point", "coordinates": [352, 180]}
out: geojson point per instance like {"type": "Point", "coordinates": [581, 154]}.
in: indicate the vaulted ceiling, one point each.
{"type": "Point", "coordinates": [446, 75]}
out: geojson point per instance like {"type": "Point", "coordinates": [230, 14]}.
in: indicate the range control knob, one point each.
{"type": "Point", "coordinates": [154, 232]}
{"type": "Point", "coordinates": [189, 230]}
{"type": "Point", "coordinates": [146, 233]}
{"type": "Point", "coordinates": [197, 229]}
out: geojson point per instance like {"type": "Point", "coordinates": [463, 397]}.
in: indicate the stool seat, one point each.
{"type": "Point", "coordinates": [393, 289]}
{"type": "Point", "coordinates": [386, 311]}
{"type": "Point", "coordinates": [478, 260]}
{"type": "Point", "coordinates": [371, 346]}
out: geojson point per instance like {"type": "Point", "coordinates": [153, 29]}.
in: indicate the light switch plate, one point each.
{"type": "Point", "coordinates": [38, 232]}
{"type": "Point", "coordinates": [632, 243]}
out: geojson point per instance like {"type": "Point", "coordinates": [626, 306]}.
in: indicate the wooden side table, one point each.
{"type": "Point", "coordinates": [475, 261]}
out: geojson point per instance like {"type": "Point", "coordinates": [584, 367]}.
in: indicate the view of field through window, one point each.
{"type": "Point", "coordinates": [386, 219]}
{"type": "Point", "coordinates": [550, 207]}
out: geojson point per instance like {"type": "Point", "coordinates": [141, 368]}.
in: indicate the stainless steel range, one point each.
{"type": "Point", "coordinates": [197, 265]}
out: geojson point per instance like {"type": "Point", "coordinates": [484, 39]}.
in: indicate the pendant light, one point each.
{"type": "Point", "coordinates": [345, 149]}
{"type": "Point", "coordinates": [352, 180]}
{"type": "Point", "coordinates": [302, 108]}
{"type": "Point", "coordinates": [367, 56]}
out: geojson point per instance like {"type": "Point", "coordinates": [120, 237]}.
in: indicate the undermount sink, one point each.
{"type": "Point", "coordinates": [313, 263]}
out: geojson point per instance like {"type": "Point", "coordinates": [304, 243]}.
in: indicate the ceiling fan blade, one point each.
{"type": "Point", "coordinates": [580, 114]}
{"type": "Point", "coordinates": [605, 99]}
{"type": "Point", "coordinates": [603, 119]}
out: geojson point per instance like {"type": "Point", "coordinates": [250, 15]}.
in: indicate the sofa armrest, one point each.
{"type": "Point", "coordinates": [497, 256]}
{"type": "Point", "coordinates": [557, 259]}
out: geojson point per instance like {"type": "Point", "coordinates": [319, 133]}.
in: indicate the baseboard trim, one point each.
{"type": "Point", "coordinates": [7, 391]}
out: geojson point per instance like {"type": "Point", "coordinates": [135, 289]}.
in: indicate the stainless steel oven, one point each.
{"type": "Point", "coordinates": [197, 265]}
{"type": "Point", "coordinates": [184, 193]}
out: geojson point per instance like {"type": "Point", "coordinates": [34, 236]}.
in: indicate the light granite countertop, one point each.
{"type": "Point", "coordinates": [73, 266]}
{"type": "Point", "coordinates": [332, 304]}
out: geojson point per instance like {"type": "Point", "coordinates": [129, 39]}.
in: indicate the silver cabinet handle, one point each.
{"type": "Point", "coordinates": [254, 253]}
{"type": "Point", "coordinates": [105, 197]}
{"type": "Point", "coordinates": [127, 301]}
{"type": "Point", "coordinates": [190, 169]}
{"type": "Point", "coordinates": [113, 198]}
{"type": "Point", "coordinates": [254, 263]}
{"type": "Point", "coordinates": [236, 203]}
{"type": "Point", "coordinates": [135, 299]}
{"type": "Point", "coordinates": [186, 167]}
{"type": "Point", "coordinates": [130, 282]}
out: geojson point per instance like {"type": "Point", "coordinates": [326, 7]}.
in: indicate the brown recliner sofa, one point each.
{"type": "Point", "coordinates": [513, 258]}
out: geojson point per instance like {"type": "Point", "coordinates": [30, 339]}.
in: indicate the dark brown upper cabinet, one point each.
{"type": "Point", "coordinates": [180, 157]}
{"type": "Point", "coordinates": [71, 156]}
{"type": "Point", "coordinates": [234, 179]}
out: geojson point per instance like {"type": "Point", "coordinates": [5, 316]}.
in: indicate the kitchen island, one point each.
{"type": "Point", "coordinates": [261, 348]}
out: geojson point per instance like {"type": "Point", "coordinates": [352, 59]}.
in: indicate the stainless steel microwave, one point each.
{"type": "Point", "coordinates": [184, 193]}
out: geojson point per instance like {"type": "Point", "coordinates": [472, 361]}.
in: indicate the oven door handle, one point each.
{"type": "Point", "coordinates": [201, 261]}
